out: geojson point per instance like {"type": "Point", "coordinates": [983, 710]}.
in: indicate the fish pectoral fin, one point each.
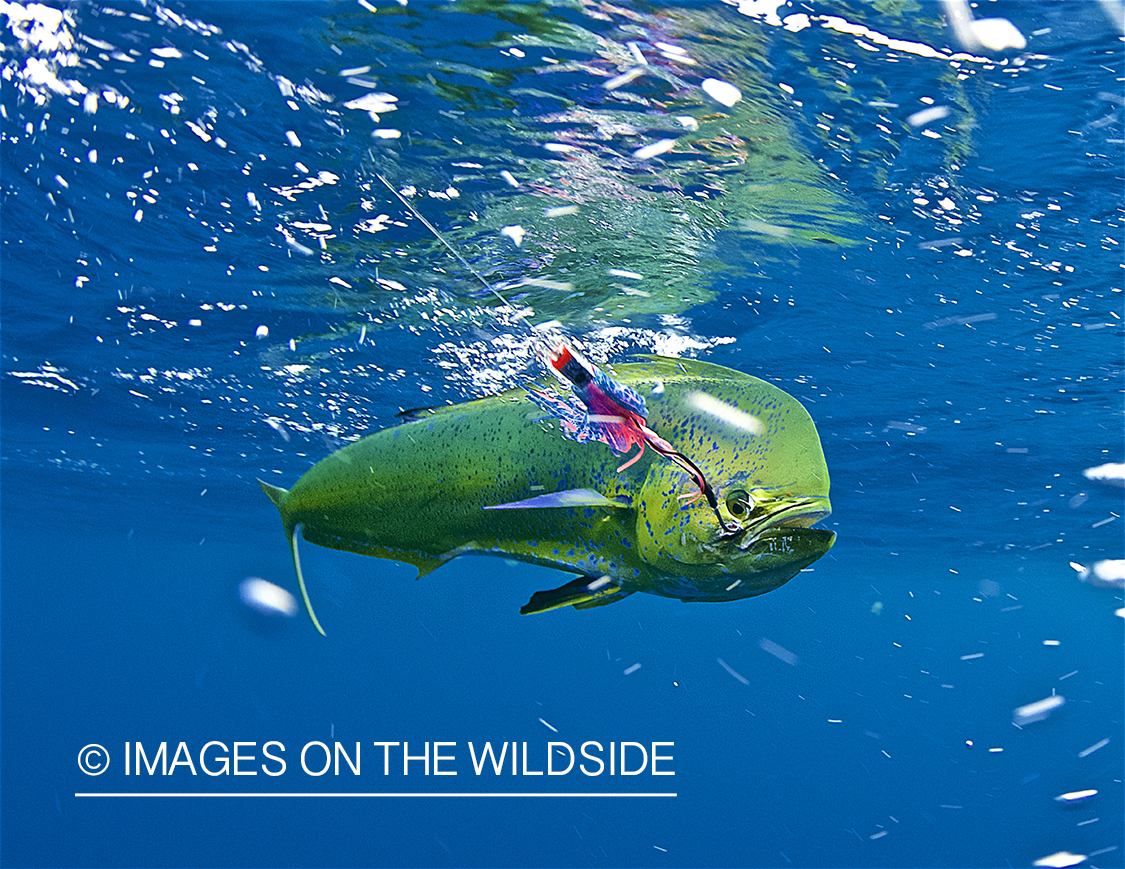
{"type": "Point", "coordinates": [604, 600]}
{"type": "Point", "coordinates": [579, 593]}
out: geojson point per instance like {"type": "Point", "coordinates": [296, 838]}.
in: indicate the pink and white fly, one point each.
{"type": "Point", "coordinates": [604, 410]}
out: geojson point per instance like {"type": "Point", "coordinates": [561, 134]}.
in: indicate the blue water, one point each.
{"type": "Point", "coordinates": [205, 283]}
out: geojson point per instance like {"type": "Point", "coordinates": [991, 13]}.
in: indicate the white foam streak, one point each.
{"type": "Point", "coordinates": [1060, 860]}
{"type": "Point", "coordinates": [778, 651]}
{"type": "Point", "coordinates": [728, 413]}
{"type": "Point", "coordinates": [1037, 711]}
{"type": "Point", "coordinates": [1112, 473]}
{"type": "Point", "coordinates": [1109, 573]}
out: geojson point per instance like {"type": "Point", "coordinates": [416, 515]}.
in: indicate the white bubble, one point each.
{"type": "Point", "coordinates": [1076, 796]}
{"type": "Point", "coordinates": [797, 22]}
{"type": "Point", "coordinates": [655, 149]}
{"type": "Point", "coordinates": [1037, 711]}
{"type": "Point", "coordinates": [998, 34]}
{"type": "Point", "coordinates": [721, 91]}
{"type": "Point", "coordinates": [375, 102]}
{"type": "Point", "coordinates": [624, 79]}
{"type": "Point", "coordinates": [926, 116]}
{"type": "Point", "coordinates": [1060, 860]}
{"type": "Point", "coordinates": [266, 598]}
{"type": "Point", "coordinates": [1109, 573]}
{"type": "Point", "coordinates": [1112, 473]}
{"type": "Point", "coordinates": [515, 233]}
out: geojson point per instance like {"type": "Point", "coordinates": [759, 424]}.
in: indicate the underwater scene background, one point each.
{"type": "Point", "coordinates": [205, 283]}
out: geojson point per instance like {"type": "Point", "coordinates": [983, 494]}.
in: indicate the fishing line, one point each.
{"type": "Point", "coordinates": [457, 254]}
{"type": "Point", "coordinates": [580, 375]}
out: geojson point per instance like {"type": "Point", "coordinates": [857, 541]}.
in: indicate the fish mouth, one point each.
{"type": "Point", "coordinates": [758, 562]}
{"type": "Point", "coordinates": [793, 511]}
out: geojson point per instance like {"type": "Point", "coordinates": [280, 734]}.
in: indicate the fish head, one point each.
{"type": "Point", "coordinates": [764, 540]}
{"type": "Point", "coordinates": [760, 452]}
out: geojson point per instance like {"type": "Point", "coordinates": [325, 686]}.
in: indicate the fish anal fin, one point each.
{"type": "Point", "coordinates": [580, 593]}
{"type": "Point", "coordinates": [426, 562]}
{"type": "Point", "coordinates": [427, 565]}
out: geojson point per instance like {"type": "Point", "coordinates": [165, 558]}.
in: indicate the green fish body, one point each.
{"type": "Point", "coordinates": [496, 476]}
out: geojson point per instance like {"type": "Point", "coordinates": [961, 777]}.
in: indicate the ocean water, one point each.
{"type": "Point", "coordinates": [205, 283]}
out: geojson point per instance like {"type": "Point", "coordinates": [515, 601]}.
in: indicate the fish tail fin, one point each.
{"type": "Point", "coordinates": [276, 494]}
{"type": "Point", "coordinates": [291, 533]}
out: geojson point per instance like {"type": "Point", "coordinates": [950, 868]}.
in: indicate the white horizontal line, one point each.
{"type": "Point", "coordinates": [381, 794]}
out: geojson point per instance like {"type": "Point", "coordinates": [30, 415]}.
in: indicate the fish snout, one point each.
{"type": "Point", "coordinates": [787, 511]}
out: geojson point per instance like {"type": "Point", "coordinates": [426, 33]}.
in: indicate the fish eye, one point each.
{"type": "Point", "coordinates": [739, 502]}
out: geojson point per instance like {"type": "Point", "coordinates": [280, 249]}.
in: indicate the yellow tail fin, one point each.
{"type": "Point", "coordinates": [277, 494]}
{"type": "Point", "coordinates": [301, 578]}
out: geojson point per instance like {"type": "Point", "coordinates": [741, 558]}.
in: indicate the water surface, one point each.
{"type": "Point", "coordinates": [204, 283]}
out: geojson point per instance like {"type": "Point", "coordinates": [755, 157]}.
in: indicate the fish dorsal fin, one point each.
{"type": "Point", "coordinates": [566, 498]}
{"type": "Point", "coordinates": [676, 369]}
{"type": "Point", "coordinates": [582, 592]}
{"type": "Point", "coordinates": [413, 414]}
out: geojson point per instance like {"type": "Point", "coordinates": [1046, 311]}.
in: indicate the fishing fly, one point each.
{"type": "Point", "coordinates": [615, 414]}
{"type": "Point", "coordinates": [600, 409]}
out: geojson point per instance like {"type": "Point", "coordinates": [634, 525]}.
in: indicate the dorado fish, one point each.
{"type": "Point", "coordinates": [496, 476]}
